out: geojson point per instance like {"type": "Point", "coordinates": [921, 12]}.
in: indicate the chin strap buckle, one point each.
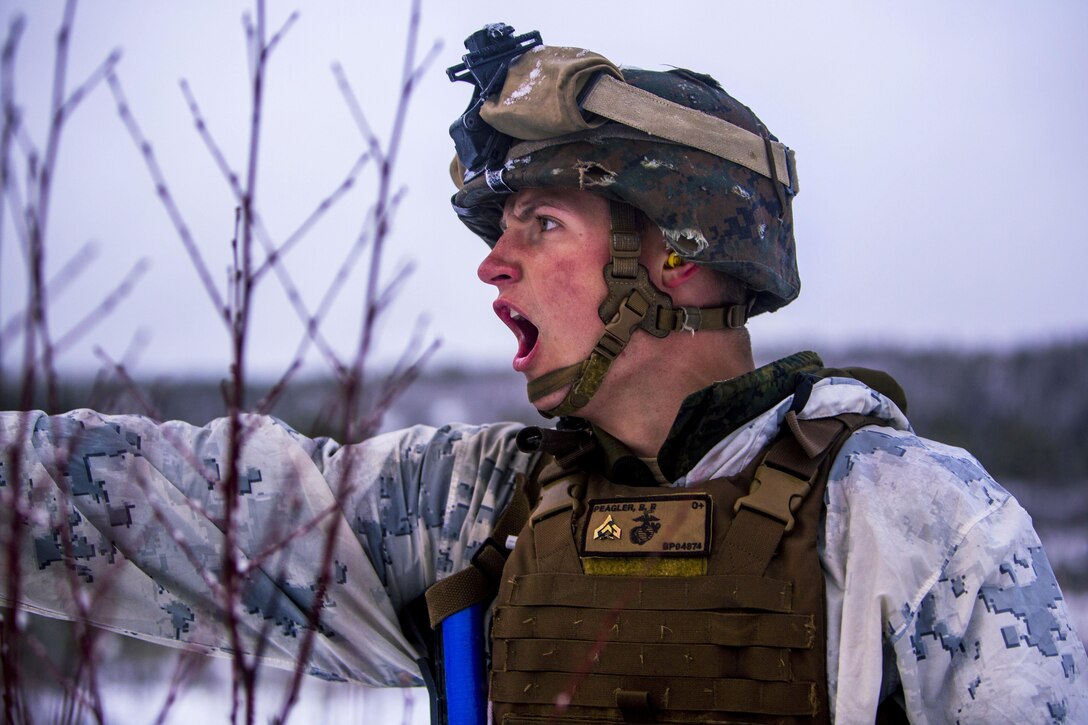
{"type": "Point", "coordinates": [617, 333]}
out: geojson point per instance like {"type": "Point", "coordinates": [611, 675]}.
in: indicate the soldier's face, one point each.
{"type": "Point", "coordinates": [547, 267]}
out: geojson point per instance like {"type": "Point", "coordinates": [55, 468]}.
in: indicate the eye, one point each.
{"type": "Point", "coordinates": [546, 223]}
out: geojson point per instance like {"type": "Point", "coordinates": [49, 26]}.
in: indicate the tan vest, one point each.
{"type": "Point", "coordinates": [658, 604]}
{"type": "Point", "coordinates": [625, 604]}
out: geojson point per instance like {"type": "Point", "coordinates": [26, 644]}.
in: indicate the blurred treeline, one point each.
{"type": "Point", "coordinates": [1022, 412]}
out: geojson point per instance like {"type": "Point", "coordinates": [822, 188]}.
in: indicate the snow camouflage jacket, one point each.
{"type": "Point", "coordinates": [937, 584]}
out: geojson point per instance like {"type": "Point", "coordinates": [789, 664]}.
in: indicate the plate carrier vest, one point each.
{"type": "Point", "coordinates": [724, 626]}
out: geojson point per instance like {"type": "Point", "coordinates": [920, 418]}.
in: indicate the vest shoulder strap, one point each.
{"type": "Point", "coordinates": [790, 469]}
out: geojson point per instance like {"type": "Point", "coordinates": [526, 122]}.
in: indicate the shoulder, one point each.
{"type": "Point", "coordinates": [909, 495]}
{"type": "Point", "coordinates": [880, 467]}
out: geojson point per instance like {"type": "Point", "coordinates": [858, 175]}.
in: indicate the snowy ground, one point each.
{"type": "Point", "coordinates": [139, 701]}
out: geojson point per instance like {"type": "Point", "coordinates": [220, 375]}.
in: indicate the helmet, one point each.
{"type": "Point", "coordinates": [713, 211]}
{"type": "Point", "coordinates": [672, 144]}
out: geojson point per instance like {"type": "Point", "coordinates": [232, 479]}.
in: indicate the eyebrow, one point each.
{"type": "Point", "coordinates": [525, 209]}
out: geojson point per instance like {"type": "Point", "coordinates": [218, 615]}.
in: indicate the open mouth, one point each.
{"type": "Point", "coordinates": [525, 331]}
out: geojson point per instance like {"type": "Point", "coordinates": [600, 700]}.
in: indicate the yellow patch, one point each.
{"type": "Point", "coordinates": [642, 566]}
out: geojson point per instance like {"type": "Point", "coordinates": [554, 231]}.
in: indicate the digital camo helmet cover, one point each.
{"type": "Point", "coordinates": [712, 211]}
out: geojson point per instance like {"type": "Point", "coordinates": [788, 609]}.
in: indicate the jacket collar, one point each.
{"type": "Point", "coordinates": [714, 412]}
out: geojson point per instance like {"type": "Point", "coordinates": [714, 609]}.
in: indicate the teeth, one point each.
{"type": "Point", "coordinates": [515, 316]}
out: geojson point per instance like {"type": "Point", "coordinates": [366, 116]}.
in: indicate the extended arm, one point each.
{"type": "Point", "coordinates": [127, 516]}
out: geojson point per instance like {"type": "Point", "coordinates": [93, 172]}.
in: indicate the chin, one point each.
{"type": "Point", "coordinates": [550, 400]}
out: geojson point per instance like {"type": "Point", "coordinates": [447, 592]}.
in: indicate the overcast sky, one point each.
{"type": "Point", "coordinates": [941, 150]}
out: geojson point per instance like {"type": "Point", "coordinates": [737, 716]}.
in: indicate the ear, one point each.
{"type": "Point", "coordinates": [673, 277]}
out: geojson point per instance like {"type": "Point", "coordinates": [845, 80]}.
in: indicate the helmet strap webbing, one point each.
{"type": "Point", "coordinates": [632, 302]}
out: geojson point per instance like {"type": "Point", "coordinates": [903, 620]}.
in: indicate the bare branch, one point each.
{"type": "Point", "coordinates": [71, 690]}
{"type": "Point", "coordinates": [399, 277]}
{"type": "Point", "coordinates": [121, 371]}
{"type": "Point", "coordinates": [256, 225]}
{"type": "Point", "coordinates": [382, 218]}
{"type": "Point", "coordinates": [281, 33]}
{"type": "Point", "coordinates": [187, 663]}
{"type": "Point", "coordinates": [105, 307]}
{"type": "Point", "coordinates": [37, 215]}
{"type": "Point", "coordinates": [327, 300]}
{"type": "Point", "coordinates": [226, 580]}
{"type": "Point", "coordinates": [308, 223]}
{"type": "Point", "coordinates": [213, 148]}
{"type": "Point", "coordinates": [404, 373]}
{"type": "Point", "coordinates": [265, 404]}
{"type": "Point", "coordinates": [97, 76]}
{"type": "Point", "coordinates": [312, 333]}
{"type": "Point", "coordinates": [427, 62]}
{"type": "Point", "coordinates": [357, 113]}
{"type": "Point", "coordinates": [56, 286]}
{"type": "Point", "coordinates": [164, 195]}
{"type": "Point", "coordinates": [52, 146]}
{"type": "Point", "coordinates": [9, 114]}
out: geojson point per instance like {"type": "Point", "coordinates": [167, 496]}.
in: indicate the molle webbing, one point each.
{"type": "Point", "coordinates": [639, 659]}
{"type": "Point", "coordinates": [666, 593]}
{"type": "Point", "coordinates": [727, 629]}
{"type": "Point", "coordinates": [664, 641]}
{"type": "Point", "coordinates": [709, 697]}
{"type": "Point", "coordinates": [743, 643]}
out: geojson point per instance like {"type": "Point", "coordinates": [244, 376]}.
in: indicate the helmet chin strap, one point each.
{"type": "Point", "coordinates": [632, 302]}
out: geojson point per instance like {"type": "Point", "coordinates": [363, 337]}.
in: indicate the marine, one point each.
{"type": "Point", "coordinates": [798, 553]}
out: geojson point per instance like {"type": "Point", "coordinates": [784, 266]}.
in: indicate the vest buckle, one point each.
{"type": "Point", "coordinates": [774, 493]}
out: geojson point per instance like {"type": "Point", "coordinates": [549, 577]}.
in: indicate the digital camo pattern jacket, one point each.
{"type": "Point", "coordinates": [936, 581]}
{"type": "Point", "coordinates": [937, 584]}
{"type": "Point", "coordinates": [144, 534]}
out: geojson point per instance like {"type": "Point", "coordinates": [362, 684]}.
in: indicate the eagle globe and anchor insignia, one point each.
{"type": "Point", "coordinates": [650, 526]}
{"type": "Point", "coordinates": [664, 525]}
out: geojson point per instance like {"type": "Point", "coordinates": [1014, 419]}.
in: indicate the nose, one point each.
{"type": "Point", "coordinates": [498, 268]}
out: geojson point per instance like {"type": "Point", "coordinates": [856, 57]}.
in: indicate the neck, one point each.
{"type": "Point", "coordinates": [639, 399]}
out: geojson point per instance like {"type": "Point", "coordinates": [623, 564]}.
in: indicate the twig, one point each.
{"type": "Point", "coordinates": [402, 376]}
{"type": "Point", "coordinates": [312, 331]}
{"type": "Point", "coordinates": [373, 143]}
{"type": "Point", "coordinates": [56, 286]}
{"type": "Point", "coordinates": [205, 135]}
{"type": "Point", "coordinates": [122, 373]}
{"type": "Point", "coordinates": [187, 663]}
{"type": "Point", "coordinates": [279, 35]}
{"type": "Point", "coordinates": [165, 196]}
{"type": "Point", "coordinates": [84, 89]}
{"type": "Point", "coordinates": [244, 675]}
{"type": "Point", "coordinates": [323, 207]}
{"type": "Point", "coordinates": [10, 120]}
{"type": "Point", "coordinates": [105, 307]}
{"type": "Point", "coordinates": [273, 254]}
{"type": "Point", "coordinates": [387, 161]}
